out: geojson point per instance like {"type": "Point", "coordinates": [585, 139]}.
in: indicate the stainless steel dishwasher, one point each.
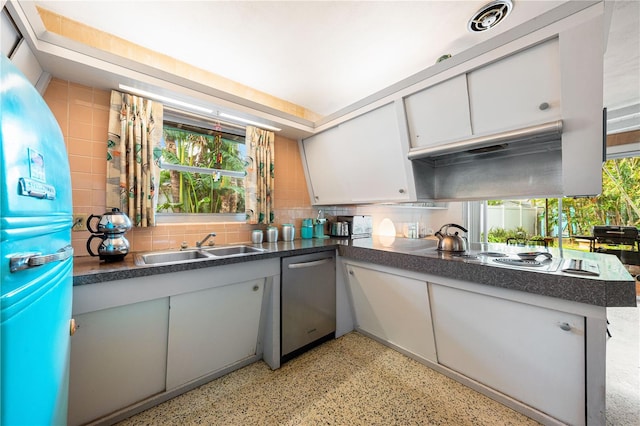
{"type": "Point", "coordinates": [308, 304]}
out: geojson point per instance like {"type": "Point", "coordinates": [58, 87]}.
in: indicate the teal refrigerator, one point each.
{"type": "Point", "coordinates": [36, 255]}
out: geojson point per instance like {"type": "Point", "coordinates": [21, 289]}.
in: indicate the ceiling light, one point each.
{"type": "Point", "coordinates": [244, 120]}
{"type": "Point", "coordinates": [489, 15]}
{"type": "Point", "coordinates": [165, 99]}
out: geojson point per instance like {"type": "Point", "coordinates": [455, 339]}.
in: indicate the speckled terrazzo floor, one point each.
{"type": "Point", "coordinates": [352, 380]}
{"type": "Point", "coordinates": [623, 367]}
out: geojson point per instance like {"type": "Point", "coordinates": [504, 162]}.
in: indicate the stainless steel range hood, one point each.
{"type": "Point", "coordinates": [517, 163]}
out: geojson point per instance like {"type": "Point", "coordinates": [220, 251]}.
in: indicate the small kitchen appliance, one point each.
{"type": "Point", "coordinates": [339, 229]}
{"type": "Point", "coordinates": [111, 229]}
{"type": "Point", "coordinates": [451, 242]}
{"type": "Point", "coordinates": [357, 226]}
{"type": "Point", "coordinates": [318, 226]}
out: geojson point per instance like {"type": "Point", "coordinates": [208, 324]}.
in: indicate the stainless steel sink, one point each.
{"type": "Point", "coordinates": [171, 257]}
{"type": "Point", "coordinates": [232, 251]}
{"type": "Point", "coordinates": [194, 255]}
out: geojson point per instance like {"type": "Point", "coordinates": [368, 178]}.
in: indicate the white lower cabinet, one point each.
{"type": "Point", "coordinates": [212, 329]}
{"type": "Point", "coordinates": [393, 308]}
{"type": "Point", "coordinates": [533, 354]}
{"type": "Point", "coordinates": [118, 357]}
{"type": "Point", "coordinates": [143, 340]}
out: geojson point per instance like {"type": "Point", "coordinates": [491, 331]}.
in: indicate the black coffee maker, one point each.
{"type": "Point", "coordinates": [111, 229]}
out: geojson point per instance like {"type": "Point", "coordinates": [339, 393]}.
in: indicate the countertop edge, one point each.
{"type": "Point", "coordinates": [606, 293]}
{"type": "Point", "coordinates": [593, 291]}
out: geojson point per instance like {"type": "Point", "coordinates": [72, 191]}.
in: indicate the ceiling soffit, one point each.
{"type": "Point", "coordinates": [120, 48]}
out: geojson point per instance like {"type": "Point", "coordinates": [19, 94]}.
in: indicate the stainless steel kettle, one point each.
{"type": "Point", "coordinates": [113, 248]}
{"type": "Point", "coordinates": [449, 242]}
{"type": "Point", "coordinates": [111, 222]}
{"type": "Point", "coordinates": [111, 229]}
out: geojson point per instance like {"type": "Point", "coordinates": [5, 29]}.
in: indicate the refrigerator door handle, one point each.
{"type": "Point", "coordinates": [21, 261]}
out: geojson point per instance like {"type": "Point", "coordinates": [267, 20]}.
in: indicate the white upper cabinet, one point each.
{"type": "Point", "coordinates": [378, 171]}
{"type": "Point", "coordinates": [326, 158]}
{"type": "Point", "coordinates": [518, 91]}
{"type": "Point", "coordinates": [528, 100]}
{"type": "Point", "coordinates": [360, 161]}
{"type": "Point", "coordinates": [439, 113]}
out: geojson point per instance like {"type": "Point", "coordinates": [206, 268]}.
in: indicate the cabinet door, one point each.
{"type": "Point", "coordinates": [533, 354]}
{"type": "Point", "coordinates": [377, 169]}
{"type": "Point", "coordinates": [393, 308]}
{"type": "Point", "coordinates": [511, 93]}
{"type": "Point", "coordinates": [212, 329]}
{"type": "Point", "coordinates": [327, 164]}
{"type": "Point", "coordinates": [361, 160]}
{"type": "Point", "coordinates": [439, 113]}
{"type": "Point", "coordinates": [118, 357]}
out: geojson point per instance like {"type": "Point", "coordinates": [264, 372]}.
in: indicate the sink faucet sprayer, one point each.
{"type": "Point", "coordinates": [199, 244]}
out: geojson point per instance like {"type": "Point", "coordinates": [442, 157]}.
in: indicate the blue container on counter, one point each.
{"type": "Point", "coordinates": [306, 231]}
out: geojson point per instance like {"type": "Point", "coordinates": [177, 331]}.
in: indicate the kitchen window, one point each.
{"type": "Point", "coordinates": [559, 220]}
{"type": "Point", "coordinates": [202, 171]}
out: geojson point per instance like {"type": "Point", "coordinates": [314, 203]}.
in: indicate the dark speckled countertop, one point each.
{"type": "Point", "coordinates": [89, 270]}
{"type": "Point", "coordinates": [614, 286]}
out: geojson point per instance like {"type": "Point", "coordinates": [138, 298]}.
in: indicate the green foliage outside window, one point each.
{"type": "Point", "coordinates": [618, 204]}
{"type": "Point", "coordinates": [200, 192]}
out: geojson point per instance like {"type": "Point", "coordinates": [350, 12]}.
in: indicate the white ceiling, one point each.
{"type": "Point", "coordinates": [326, 55]}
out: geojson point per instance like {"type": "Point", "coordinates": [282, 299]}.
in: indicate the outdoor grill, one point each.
{"type": "Point", "coordinates": [605, 236]}
{"type": "Point", "coordinates": [617, 235]}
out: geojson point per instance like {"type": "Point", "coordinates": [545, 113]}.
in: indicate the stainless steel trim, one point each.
{"type": "Point", "coordinates": [309, 264]}
{"type": "Point", "coordinates": [203, 170]}
{"type": "Point", "coordinates": [23, 261]}
{"type": "Point", "coordinates": [512, 136]}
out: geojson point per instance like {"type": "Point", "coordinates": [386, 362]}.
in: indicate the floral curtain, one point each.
{"type": "Point", "coordinates": [259, 183]}
{"type": "Point", "coordinates": [133, 153]}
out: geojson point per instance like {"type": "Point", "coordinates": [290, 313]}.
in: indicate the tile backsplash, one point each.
{"type": "Point", "coordinates": [83, 113]}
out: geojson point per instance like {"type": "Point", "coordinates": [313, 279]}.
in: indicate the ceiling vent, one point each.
{"type": "Point", "coordinates": [489, 15]}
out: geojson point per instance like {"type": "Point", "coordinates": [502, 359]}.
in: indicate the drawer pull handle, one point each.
{"type": "Point", "coordinates": [565, 326]}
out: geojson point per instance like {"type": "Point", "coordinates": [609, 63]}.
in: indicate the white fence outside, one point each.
{"type": "Point", "coordinates": [513, 216]}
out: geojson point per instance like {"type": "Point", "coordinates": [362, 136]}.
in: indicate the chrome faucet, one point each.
{"type": "Point", "coordinates": [199, 244]}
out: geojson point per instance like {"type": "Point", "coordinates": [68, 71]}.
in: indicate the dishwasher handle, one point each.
{"type": "Point", "coordinates": [309, 264]}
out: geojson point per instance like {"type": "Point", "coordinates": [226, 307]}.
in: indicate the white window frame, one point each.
{"type": "Point", "coordinates": [176, 116]}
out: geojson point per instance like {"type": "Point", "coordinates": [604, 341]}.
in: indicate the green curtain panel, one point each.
{"type": "Point", "coordinates": [133, 155]}
{"type": "Point", "coordinates": [259, 183]}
